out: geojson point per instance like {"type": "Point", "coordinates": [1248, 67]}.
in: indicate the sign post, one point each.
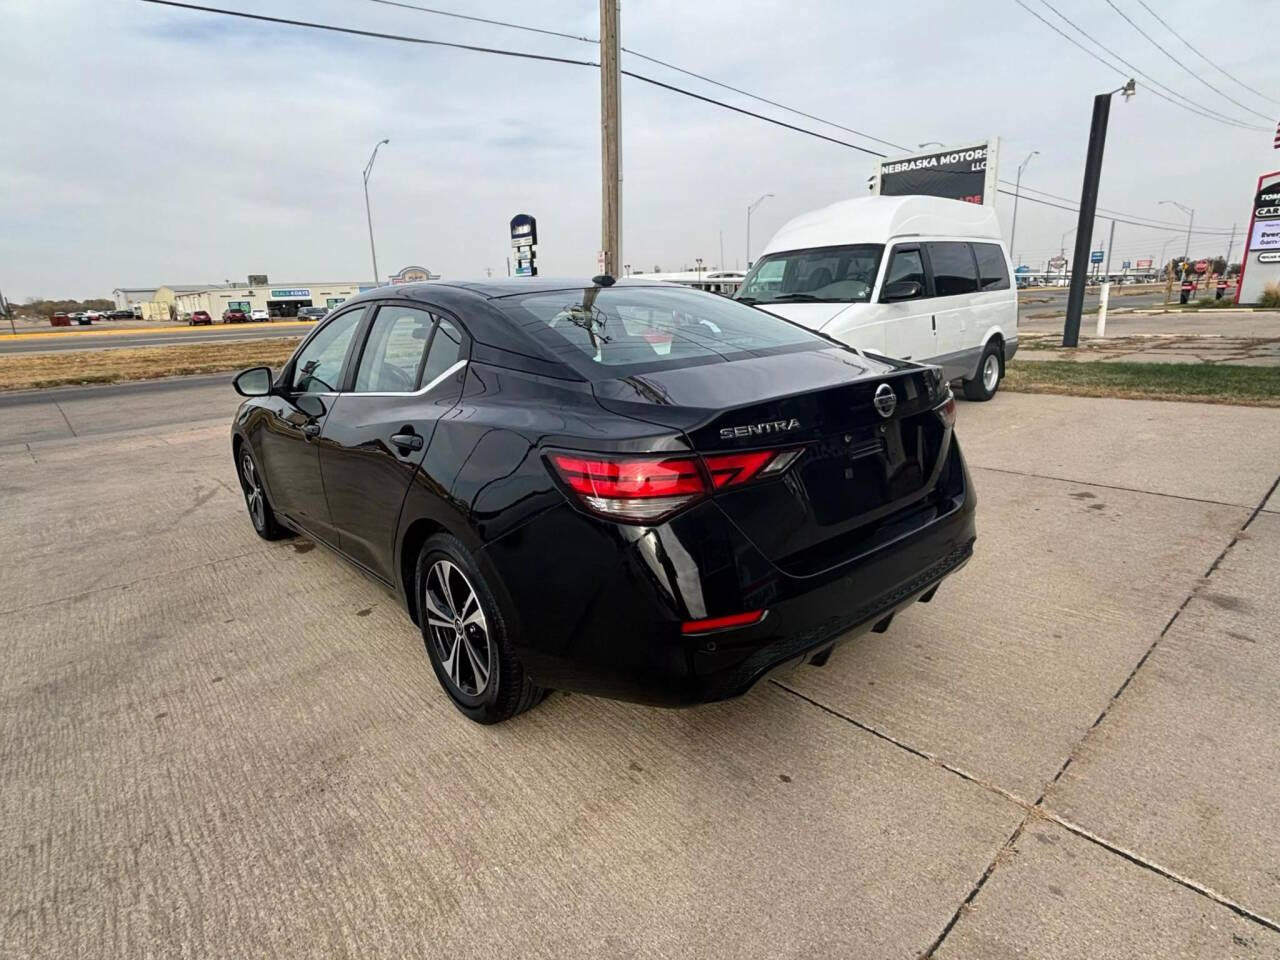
{"type": "Point", "coordinates": [524, 238]}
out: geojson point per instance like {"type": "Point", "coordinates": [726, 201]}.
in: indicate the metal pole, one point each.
{"type": "Point", "coordinates": [1230, 247]}
{"type": "Point", "coordinates": [611, 150]}
{"type": "Point", "coordinates": [1013, 228]}
{"type": "Point", "coordinates": [750, 210]}
{"type": "Point", "coordinates": [1084, 226]}
{"type": "Point", "coordinates": [368, 169]}
{"type": "Point", "coordinates": [1111, 242]}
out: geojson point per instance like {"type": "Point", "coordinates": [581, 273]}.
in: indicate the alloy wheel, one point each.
{"type": "Point", "coordinates": [990, 372]}
{"type": "Point", "coordinates": [254, 498]}
{"type": "Point", "coordinates": [458, 630]}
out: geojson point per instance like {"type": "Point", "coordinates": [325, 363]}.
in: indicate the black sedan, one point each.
{"type": "Point", "coordinates": [632, 490]}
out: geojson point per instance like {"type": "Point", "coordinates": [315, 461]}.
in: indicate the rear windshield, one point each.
{"type": "Point", "coordinates": [842, 274]}
{"type": "Point", "coordinates": [616, 331]}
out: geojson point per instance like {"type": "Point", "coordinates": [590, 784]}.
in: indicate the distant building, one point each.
{"type": "Point", "coordinates": [278, 299]}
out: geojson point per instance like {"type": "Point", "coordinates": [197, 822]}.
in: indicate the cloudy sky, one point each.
{"type": "Point", "coordinates": [147, 145]}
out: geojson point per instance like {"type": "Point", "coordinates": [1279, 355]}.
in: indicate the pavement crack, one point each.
{"type": "Point", "coordinates": [1111, 486]}
{"type": "Point", "coordinates": [64, 417]}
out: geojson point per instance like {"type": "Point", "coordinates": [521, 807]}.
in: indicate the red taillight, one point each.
{"type": "Point", "coordinates": [645, 489]}
{"type": "Point", "coordinates": [722, 623]}
{"type": "Point", "coordinates": [947, 411]}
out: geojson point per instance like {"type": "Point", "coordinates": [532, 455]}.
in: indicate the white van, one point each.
{"type": "Point", "coordinates": [920, 278]}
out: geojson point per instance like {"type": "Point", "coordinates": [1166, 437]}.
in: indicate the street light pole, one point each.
{"type": "Point", "coordinates": [1013, 229]}
{"type": "Point", "coordinates": [750, 210]}
{"type": "Point", "coordinates": [1191, 219]}
{"type": "Point", "coordinates": [368, 168]}
{"type": "Point", "coordinates": [1088, 208]}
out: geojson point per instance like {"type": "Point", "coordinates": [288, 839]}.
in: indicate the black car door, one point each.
{"type": "Point", "coordinates": [409, 373]}
{"type": "Point", "coordinates": [298, 407]}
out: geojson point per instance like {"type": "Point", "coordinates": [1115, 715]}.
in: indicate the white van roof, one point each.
{"type": "Point", "coordinates": [877, 219]}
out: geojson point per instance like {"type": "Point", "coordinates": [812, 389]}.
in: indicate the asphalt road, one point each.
{"type": "Point", "coordinates": [1038, 300]}
{"type": "Point", "coordinates": [216, 746]}
{"type": "Point", "coordinates": [92, 338]}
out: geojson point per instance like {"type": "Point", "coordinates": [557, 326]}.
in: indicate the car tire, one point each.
{"type": "Point", "coordinates": [984, 386]}
{"type": "Point", "coordinates": [263, 517]}
{"type": "Point", "coordinates": [476, 664]}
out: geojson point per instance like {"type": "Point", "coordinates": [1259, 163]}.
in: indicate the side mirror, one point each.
{"type": "Point", "coordinates": [900, 290]}
{"type": "Point", "coordinates": [254, 382]}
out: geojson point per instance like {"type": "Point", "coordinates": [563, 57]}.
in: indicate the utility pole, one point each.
{"type": "Point", "coordinates": [368, 169]}
{"type": "Point", "coordinates": [1088, 209]}
{"type": "Point", "coordinates": [721, 249]}
{"type": "Point", "coordinates": [1230, 247]}
{"type": "Point", "coordinates": [1111, 242]}
{"type": "Point", "coordinates": [610, 144]}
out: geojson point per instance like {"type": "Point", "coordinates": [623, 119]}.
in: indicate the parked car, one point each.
{"type": "Point", "coordinates": [920, 278]}
{"type": "Point", "coordinates": [200, 317]}
{"type": "Point", "coordinates": [82, 318]}
{"type": "Point", "coordinates": [60, 319]}
{"type": "Point", "coordinates": [120, 315]}
{"type": "Point", "coordinates": [633, 490]}
{"type": "Point", "coordinates": [311, 313]}
{"type": "Point", "coordinates": [234, 315]}
{"type": "Point", "coordinates": [259, 314]}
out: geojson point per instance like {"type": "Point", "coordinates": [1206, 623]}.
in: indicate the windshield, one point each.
{"type": "Point", "coordinates": [826, 274]}
{"type": "Point", "coordinates": [617, 331]}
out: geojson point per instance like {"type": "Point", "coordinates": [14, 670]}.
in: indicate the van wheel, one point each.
{"type": "Point", "coordinates": [986, 384]}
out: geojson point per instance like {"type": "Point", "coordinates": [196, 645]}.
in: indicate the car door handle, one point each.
{"type": "Point", "coordinates": [934, 320]}
{"type": "Point", "coordinates": [406, 441]}
{"type": "Point", "coordinates": [310, 430]}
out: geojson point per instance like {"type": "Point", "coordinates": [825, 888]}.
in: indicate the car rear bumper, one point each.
{"type": "Point", "coordinates": [599, 606]}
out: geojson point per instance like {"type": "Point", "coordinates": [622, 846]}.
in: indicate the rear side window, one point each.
{"type": "Point", "coordinates": [954, 271]}
{"type": "Point", "coordinates": [446, 350]}
{"type": "Point", "coordinates": [615, 331]}
{"type": "Point", "coordinates": [992, 271]}
{"type": "Point", "coordinates": [394, 350]}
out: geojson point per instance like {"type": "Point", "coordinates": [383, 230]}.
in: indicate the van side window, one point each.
{"type": "Point", "coordinates": [906, 265]}
{"type": "Point", "coordinates": [954, 271]}
{"type": "Point", "coordinates": [992, 270]}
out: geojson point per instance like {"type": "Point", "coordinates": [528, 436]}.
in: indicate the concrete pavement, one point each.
{"type": "Point", "coordinates": [214, 746]}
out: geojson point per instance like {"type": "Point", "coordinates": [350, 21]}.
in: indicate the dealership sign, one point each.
{"type": "Point", "coordinates": [1144, 264]}
{"type": "Point", "coordinates": [1260, 264]}
{"type": "Point", "coordinates": [1057, 263]}
{"type": "Point", "coordinates": [295, 294]}
{"type": "Point", "coordinates": [957, 173]}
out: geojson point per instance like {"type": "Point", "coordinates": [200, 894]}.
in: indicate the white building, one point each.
{"type": "Point", "coordinates": [278, 299]}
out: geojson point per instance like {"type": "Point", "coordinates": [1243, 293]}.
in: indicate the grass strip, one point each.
{"type": "Point", "coordinates": [1203, 383]}
{"type": "Point", "coordinates": [30, 371]}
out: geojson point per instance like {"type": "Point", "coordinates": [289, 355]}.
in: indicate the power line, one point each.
{"type": "Point", "coordinates": [738, 90]}
{"type": "Point", "coordinates": [495, 23]}
{"type": "Point", "coordinates": [1157, 45]}
{"type": "Point", "coordinates": [332, 28]}
{"type": "Point", "coordinates": [1187, 44]}
{"type": "Point", "coordinates": [1176, 99]}
{"type": "Point", "coordinates": [373, 33]}
{"type": "Point", "coordinates": [1120, 213]}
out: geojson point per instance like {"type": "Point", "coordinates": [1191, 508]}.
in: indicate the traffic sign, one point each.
{"type": "Point", "coordinates": [1096, 256]}
{"type": "Point", "coordinates": [1125, 265]}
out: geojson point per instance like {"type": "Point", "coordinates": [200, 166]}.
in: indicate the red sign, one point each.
{"type": "Point", "coordinates": [1202, 266]}
{"type": "Point", "coordinates": [1144, 264]}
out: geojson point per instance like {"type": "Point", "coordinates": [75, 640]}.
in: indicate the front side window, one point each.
{"type": "Point", "coordinates": [394, 350]}
{"type": "Point", "coordinates": [907, 266]}
{"type": "Point", "coordinates": [954, 271]}
{"type": "Point", "coordinates": [843, 274]}
{"type": "Point", "coordinates": [992, 269]}
{"type": "Point", "coordinates": [318, 367]}
{"type": "Point", "coordinates": [617, 331]}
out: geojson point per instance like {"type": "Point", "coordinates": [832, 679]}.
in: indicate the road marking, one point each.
{"type": "Point", "coordinates": [145, 331]}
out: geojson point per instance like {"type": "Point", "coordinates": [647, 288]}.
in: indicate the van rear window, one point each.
{"type": "Point", "coordinates": [992, 270]}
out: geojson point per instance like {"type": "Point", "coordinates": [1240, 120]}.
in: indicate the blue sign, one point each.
{"type": "Point", "coordinates": [1125, 265]}
{"type": "Point", "coordinates": [1096, 256]}
{"type": "Point", "coordinates": [524, 269]}
{"type": "Point", "coordinates": [290, 294]}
